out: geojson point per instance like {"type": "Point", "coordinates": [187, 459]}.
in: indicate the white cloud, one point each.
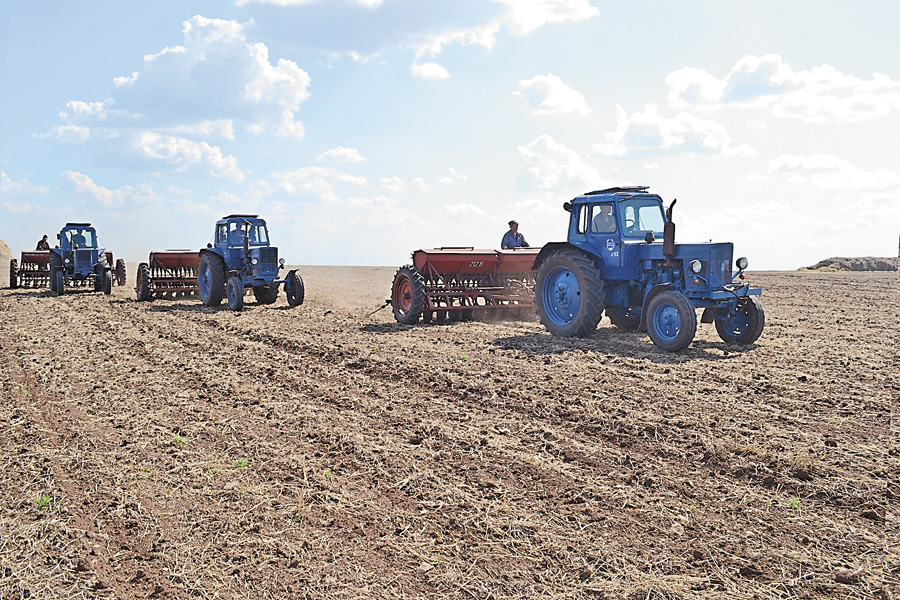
{"type": "Point", "coordinates": [548, 95]}
{"type": "Point", "coordinates": [833, 174]}
{"type": "Point", "coordinates": [482, 35]}
{"type": "Point", "coordinates": [110, 198]}
{"type": "Point", "coordinates": [465, 210]}
{"type": "Point", "coordinates": [23, 187]}
{"type": "Point", "coordinates": [393, 184]}
{"type": "Point", "coordinates": [428, 70]}
{"type": "Point", "coordinates": [216, 79]}
{"type": "Point", "coordinates": [818, 95]}
{"type": "Point", "coordinates": [421, 185]}
{"type": "Point", "coordinates": [553, 166]}
{"type": "Point", "coordinates": [341, 155]}
{"type": "Point", "coordinates": [648, 132]}
{"type": "Point", "coordinates": [320, 182]}
{"type": "Point", "coordinates": [187, 156]}
{"type": "Point", "coordinates": [454, 177]}
{"type": "Point", "coordinates": [526, 16]}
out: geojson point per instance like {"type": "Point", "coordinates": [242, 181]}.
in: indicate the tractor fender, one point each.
{"type": "Point", "coordinates": [656, 289]}
{"type": "Point", "coordinates": [548, 250]}
{"type": "Point", "coordinates": [204, 251]}
{"type": "Point", "coordinates": [289, 281]}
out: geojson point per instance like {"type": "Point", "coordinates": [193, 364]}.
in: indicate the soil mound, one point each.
{"type": "Point", "coordinates": [863, 263]}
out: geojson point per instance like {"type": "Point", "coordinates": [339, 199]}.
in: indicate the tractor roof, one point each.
{"type": "Point", "coordinates": [78, 224]}
{"type": "Point", "coordinates": [637, 189]}
{"type": "Point", "coordinates": [240, 217]}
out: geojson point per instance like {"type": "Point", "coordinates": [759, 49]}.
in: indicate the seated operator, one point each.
{"type": "Point", "coordinates": [604, 222]}
{"type": "Point", "coordinates": [78, 239]}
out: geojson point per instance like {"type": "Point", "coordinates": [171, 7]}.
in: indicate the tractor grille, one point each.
{"type": "Point", "coordinates": [268, 260]}
{"type": "Point", "coordinates": [84, 260]}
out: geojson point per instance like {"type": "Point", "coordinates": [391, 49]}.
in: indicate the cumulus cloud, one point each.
{"type": "Point", "coordinates": [548, 95]}
{"type": "Point", "coordinates": [553, 166]}
{"type": "Point", "coordinates": [648, 132]}
{"type": "Point", "coordinates": [8, 187]}
{"type": "Point", "coordinates": [428, 70]}
{"type": "Point", "coordinates": [186, 156]}
{"type": "Point", "coordinates": [110, 198]}
{"type": "Point", "coordinates": [341, 155]}
{"type": "Point", "coordinates": [465, 210]}
{"type": "Point", "coordinates": [215, 81]}
{"type": "Point", "coordinates": [817, 95]}
{"type": "Point", "coordinates": [831, 173]}
{"type": "Point", "coordinates": [453, 177]}
{"type": "Point", "coordinates": [393, 184]}
{"type": "Point", "coordinates": [319, 182]}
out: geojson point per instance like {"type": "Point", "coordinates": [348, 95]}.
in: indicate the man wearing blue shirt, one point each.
{"type": "Point", "coordinates": [512, 238]}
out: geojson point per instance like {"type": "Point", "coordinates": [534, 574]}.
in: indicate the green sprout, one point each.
{"type": "Point", "coordinates": [179, 439]}
{"type": "Point", "coordinates": [794, 503]}
{"type": "Point", "coordinates": [41, 502]}
{"type": "Point", "coordinates": [240, 463]}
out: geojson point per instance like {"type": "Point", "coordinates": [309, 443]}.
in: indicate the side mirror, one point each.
{"type": "Point", "coordinates": [567, 206]}
{"type": "Point", "coordinates": [209, 245]}
{"type": "Point", "coordinates": [649, 238]}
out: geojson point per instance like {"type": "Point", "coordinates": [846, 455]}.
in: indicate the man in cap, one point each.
{"type": "Point", "coordinates": [43, 244]}
{"type": "Point", "coordinates": [512, 238]}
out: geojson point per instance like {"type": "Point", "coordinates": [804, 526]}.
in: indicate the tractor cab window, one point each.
{"type": "Point", "coordinates": [602, 219]}
{"type": "Point", "coordinates": [255, 231]}
{"type": "Point", "coordinates": [640, 215]}
{"type": "Point", "coordinates": [83, 238]}
{"type": "Point", "coordinates": [221, 234]}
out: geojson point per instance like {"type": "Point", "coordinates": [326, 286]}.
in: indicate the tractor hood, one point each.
{"type": "Point", "coordinates": [715, 260]}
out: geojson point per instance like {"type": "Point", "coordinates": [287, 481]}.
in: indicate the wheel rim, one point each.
{"type": "Point", "coordinates": [232, 293]}
{"type": "Point", "coordinates": [739, 324]}
{"type": "Point", "coordinates": [403, 295]}
{"type": "Point", "coordinates": [204, 281]}
{"type": "Point", "coordinates": [667, 321]}
{"type": "Point", "coordinates": [562, 296]}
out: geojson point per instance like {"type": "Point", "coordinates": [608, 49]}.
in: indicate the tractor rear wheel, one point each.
{"type": "Point", "coordinates": [120, 271]}
{"type": "Point", "coordinates": [13, 274]}
{"type": "Point", "coordinates": [235, 291]}
{"type": "Point", "coordinates": [142, 285]}
{"type": "Point", "coordinates": [57, 282]}
{"type": "Point", "coordinates": [296, 291]}
{"type": "Point", "coordinates": [628, 319]}
{"type": "Point", "coordinates": [746, 326]}
{"type": "Point", "coordinates": [569, 294]}
{"type": "Point", "coordinates": [266, 294]}
{"type": "Point", "coordinates": [211, 279]}
{"type": "Point", "coordinates": [408, 295]}
{"type": "Point", "coordinates": [671, 321]}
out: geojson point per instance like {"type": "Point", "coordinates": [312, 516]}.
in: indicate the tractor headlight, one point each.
{"type": "Point", "coordinates": [696, 266]}
{"type": "Point", "coordinates": [281, 262]}
{"type": "Point", "coordinates": [741, 263]}
{"type": "Point", "coordinates": [67, 261]}
{"type": "Point", "coordinates": [254, 261]}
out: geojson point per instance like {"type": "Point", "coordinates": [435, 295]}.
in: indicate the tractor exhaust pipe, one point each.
{"type": "Point", "coordinates": [668, 248]}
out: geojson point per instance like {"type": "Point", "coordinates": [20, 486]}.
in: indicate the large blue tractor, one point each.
{"type": "Point", "coordinates": [242, 258]}
{"type": "Point", "coordinates": [614, 262]}
{"type": "Point", "coordinates": [78, 260]}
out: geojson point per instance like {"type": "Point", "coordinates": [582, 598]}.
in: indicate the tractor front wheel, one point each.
{"type": "Point", "coordinates": [235, 290]}
{"type": "Point", "coordinates": [408, 295]}
{"type": "Point", "coordinates": [120, 271]}
{"type": "Point", "coordinates": [671, 321]}
{"type": "Point", "coordinates": [569, 294]}
{"type": "Point", "coordinates": [211, 279]}
{"type": "Point", "coordinates": [13, 274]}
{"type": "Point", "coordinates": [106, 282]}
{"type": "Point", "coordinates": [295, 292]}
{"type": "Point", "coordinates": [142, 285]}
{"type": "Point", "coordinates": [745, 326]}
{"type": "Point", "coordinates": [266, 294]}
{"type": "Point", "coordinates": [628, 319]}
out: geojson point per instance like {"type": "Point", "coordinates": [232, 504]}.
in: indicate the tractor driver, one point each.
{"type": "Point", "coordinates": [604, 222]}
{"type": "Point", "coordinates": [78, 239]}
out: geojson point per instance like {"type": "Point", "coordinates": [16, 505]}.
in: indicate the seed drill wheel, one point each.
{"type": "Point", "coordinates": [746, 326]}
{"type": "Point", "coordinates": [628, 319]}
{"type": "Point", "coordinates": [408, 295]}
{"type": "Point", "coordinates": [211, 279]}
{"type": "Point", "coordinates": [671, 321]}
{"type": "Point", "coordinates": [120, 271]}
{"type": "Point", "coordinates": [235, 291]}
{"type": "Point", "coordinates": [142, 285]}
{"type": "Point", "coordinates": [569, 294]}
{"type": "Point", "coordinates": [296, 291]}
{"type": "Point", "coordinates": [13, 274]}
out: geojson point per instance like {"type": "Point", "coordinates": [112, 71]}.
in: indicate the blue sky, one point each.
{"type": "Point", "coordinates": [365, 129]}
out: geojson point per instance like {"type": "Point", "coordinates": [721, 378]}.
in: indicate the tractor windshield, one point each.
{"type": "Point", "coordinates": [256, 231]}
{"type": "Point", "coordinates": [640, 215]}
{"type": "Point", "coordinates": [82, 238]}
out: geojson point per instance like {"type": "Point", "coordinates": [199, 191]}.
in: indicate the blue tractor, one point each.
{"type": "Point", "coordinates": [614, 262]}
{"type": "Point", "coordinates": [242, 258]}
{"type": "Point", "coordinates": [77, 260]}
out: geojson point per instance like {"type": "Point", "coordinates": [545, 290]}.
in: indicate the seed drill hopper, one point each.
{"type": "Point", "coordinates": [169, 274]}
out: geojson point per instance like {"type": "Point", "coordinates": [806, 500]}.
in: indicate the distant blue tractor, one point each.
{"type": "Point", "coordinates": [613, 262]}
{"type": "Point", "coordinates": [242, 258]}
{"type": "Point", "coordinates": [78, 260]}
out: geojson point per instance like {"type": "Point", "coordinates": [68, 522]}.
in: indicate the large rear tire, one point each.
{"type": "Point", "coordinates": [57, 282]}
{"type": "Point", "coordinates": [671, 321]}
{"type": "Point", "coordinates": [211, 279]}
{"type": "Point", "coordinates": [746, 326]}
{"type": "Point", "coordinates": [235, 291]}
{"type": "Point", "coordinates": [295, 292]}
{"type": "Point", "coordinates": [13, 274]}
{"type": "Point", "coordinates": [120, 271]}
{"type": "Point", "coordinates": [628, 319]}
{"type": "Point", "coordinates": [408, 295]}
{"type": "Point", "coordinates": [142, 285]}
{"type": "Point", "coordinates": [569, 294]}
{"type": "Point", "coordinates": [266, 294]}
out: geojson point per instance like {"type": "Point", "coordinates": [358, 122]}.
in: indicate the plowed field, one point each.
{"type": "Point", "coordinates": [168, 450]}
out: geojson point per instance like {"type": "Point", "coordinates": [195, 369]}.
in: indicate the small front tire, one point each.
{"type": "Point", "coordinates": [296, 291]}
{"type": "Point", "coordinates": [234, 289]}
{"type": "Point", "coordinates": [671, 321]}
{"type": "Point", "coordinates": [745, 326]}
